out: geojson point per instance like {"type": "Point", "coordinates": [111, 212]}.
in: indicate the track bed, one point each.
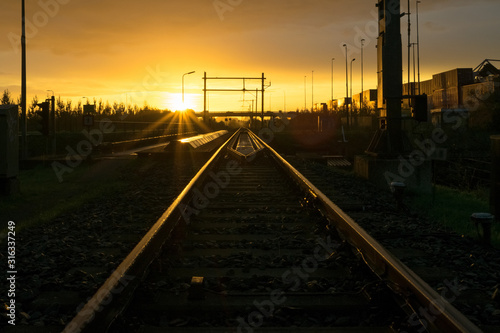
{"type": "Point", "coordinates": [267, 260]}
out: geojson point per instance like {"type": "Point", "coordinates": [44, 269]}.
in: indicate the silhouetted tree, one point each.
{"type": "Point", "coordinates": [107, 109]}
{"type": "Point", "coordinates": [6, 99]}
{"type": "Point", "coordinates": [68, 106]}
{"type": "Point", "coordinates": [32, 107]}
{"type": "Point", "coordinates": [59, 106]}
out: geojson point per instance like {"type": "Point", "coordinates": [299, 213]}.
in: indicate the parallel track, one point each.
{"type": "Point", "coordinates": [254, 245]}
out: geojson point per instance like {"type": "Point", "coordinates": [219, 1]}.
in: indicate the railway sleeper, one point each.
{"type": "Point", "coordinates": [320, 284]}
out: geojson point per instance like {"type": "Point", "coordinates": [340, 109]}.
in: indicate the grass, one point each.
{"type": "Point", "coordinates": [43, 198]}
{"type": "Point", "coordinates": [452, 209]}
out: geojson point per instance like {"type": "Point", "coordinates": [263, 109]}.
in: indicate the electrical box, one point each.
{"type": "Point", "coordinates": [9, 141]}
{"type": "Point", "coordinates": [419, 105]}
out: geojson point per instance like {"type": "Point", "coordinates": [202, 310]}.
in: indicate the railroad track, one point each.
{"type": "Point", "coordinates": [250, 245]}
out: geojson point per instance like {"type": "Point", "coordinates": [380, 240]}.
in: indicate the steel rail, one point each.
{"type": "Point", "coordinates": [257, 148]}
{"type": "Point", "coordinates": [439, 315]}
{"type": "Point", "coordinates": [112, 297]}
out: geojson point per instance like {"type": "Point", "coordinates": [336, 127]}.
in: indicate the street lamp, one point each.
{"type": "Point", "coordinates": [332, 83]}
{"type": "Point", "coordinates": [418, 50]}
{"type": "Point", "coordinates": [183, 84]}
{"type": "Point", "coordinates": [305, 92]}
{"type": "Point", "coordinates": [413, 88]}
{"type": "Point", "coordinates": [312, 91]}
{"type": "Point", "coordinates": [409, 45]}
{"type": "Point", "coordinates": [351, 85]}
{"type": "Point", "coordinates": [346, 82]}
{"type": "Point", "coordinates": [361, 100]}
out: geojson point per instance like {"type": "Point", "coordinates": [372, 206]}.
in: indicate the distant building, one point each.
{"type": "Point", "coordinates": [369, 100]}
{"type": "Point", "coordinates": [314, 122]}
{"type": "Point", "coordinates": [457, 90]}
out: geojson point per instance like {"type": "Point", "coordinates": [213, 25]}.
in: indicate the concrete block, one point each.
{"type": "Point", "coordinates": [417, 175]}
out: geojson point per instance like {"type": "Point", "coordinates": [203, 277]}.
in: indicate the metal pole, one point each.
{"type": "Point", "coordinates": [262, 101]}
{"type": "Point", "coordinates": [332, 85]}
{"type": "Point", "coordinates": [305, 94]}
{"type": "Point", "coordinates": [346, 102]}
{"type": "Point", "coordinates": [256, 99]}
{"type": "Point", "coordinates": [351, 90]}
{"type": "Point", "coordinates": [24, 138]}
{"type": "Point", "coordinates": [312, 91]}
{"type": "Point", "coordinates": [414, 78]}
{"type": "Point", "coordinates": [205, 96]}
{"type": "Point", "coordinates": [362, 92]}
{"type": "Point", "coordinates": [183, 85]}
{"type": "Point", "coordinates": [409, 44]}
{"type": "Point", "coordinates": [418, 51]}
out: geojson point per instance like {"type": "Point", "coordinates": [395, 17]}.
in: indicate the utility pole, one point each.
{"type": "Point", "coordinates": [418, 51]}
{"type": "Point", "coordinates": [332, 84]}
{"type": "Point", "coordinates": [352, 104]}
{"type": "Point", "coordinates": [409, 45]}
{"type": "Point", "coordinates": [361, 100]}
{"type": "Point", "coordinates": [312, 91]}
{"type": "Point", "coordinates": [413, 86]}
{"type": "Point", "coordinates": [346, 101]}
{"type": "Point", "coordinates": [305, 94]}
{"type": "Point", "coordinates": [262, 100]}
{"type": "Point", "coordinates": [24, 138]}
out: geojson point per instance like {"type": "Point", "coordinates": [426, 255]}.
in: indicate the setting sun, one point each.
{"type": "Point", "coordinates": [174, 101]}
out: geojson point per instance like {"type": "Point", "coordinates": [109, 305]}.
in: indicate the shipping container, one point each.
{"type": "Point", "coordinates": [446, 99]}
{"type": "Point", "coordinates": [426, 88]}
{"type": "Point", "coordinates": [439, 99]}
{"type": "Point", "coordinates": [474, 94]}
{"type": "Point", "coordinates": [454, 78]}
{"type": "Point", "coordinates": [454, 98]}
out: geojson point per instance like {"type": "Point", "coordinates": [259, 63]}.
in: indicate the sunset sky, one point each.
{"type": "Point", "coordinates": [136, 51]}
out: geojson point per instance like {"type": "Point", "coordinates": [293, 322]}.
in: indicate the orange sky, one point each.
{"type": "Point", "coordinates": [137, 51]}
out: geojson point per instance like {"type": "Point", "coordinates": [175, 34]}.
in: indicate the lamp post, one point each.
{"type": "Point", "coordinates": [409, 45]}
{"type": "Point", "coordinates": [305, 94]}
{"type": "Point", "coordinates": [346, 84]}
{"type": "Point", "coordinates": [361, 100]}
{"type": "Point", "coordinates": [351, 86]}
{"type": "Point", "coordinates": [418, 51]}
{"type": "Point", "coordinates": [183, 84]}
{"type": "Point", "coordinates": [332, 85]}
{"type": "Point", "coordinates": [312, 91]}
{"type": "Point", "coordinates": [413, 88]}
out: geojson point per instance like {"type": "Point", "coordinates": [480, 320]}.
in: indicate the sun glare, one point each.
{"type": "Point", "coordinates": [174, 102]}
